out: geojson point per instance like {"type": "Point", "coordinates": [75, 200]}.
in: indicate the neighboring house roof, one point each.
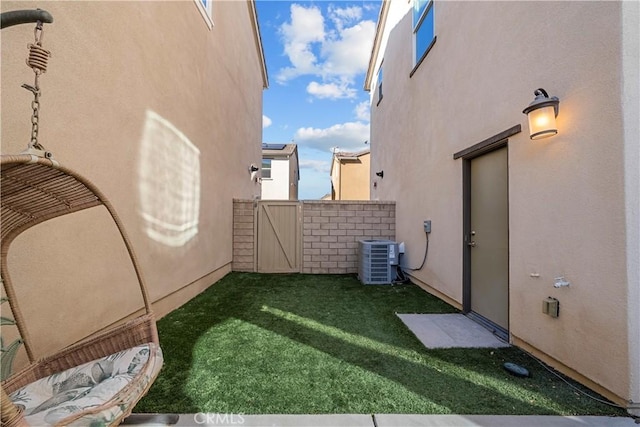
{"type": "Point", "coordinates": [373, 58]}
{"type": "Point", "coordinates": [281, 151]}
{"type": "Point", "coordinates": [342, 156]}
{"type": "Point", "coordinates": [256, 32]}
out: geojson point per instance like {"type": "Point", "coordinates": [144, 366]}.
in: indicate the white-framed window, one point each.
{"type": "Point", "coordinates": [423, 28]}
{"type": "Point", "coordinates": [206, 10]}
{"type": "Point", "coordinates": [379, 83]}
{"type": "Point", "coordinates": [266, 168]}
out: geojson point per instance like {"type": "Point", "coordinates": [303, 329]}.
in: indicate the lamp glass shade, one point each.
{"type": "Point", "coordinates": [542, 122]}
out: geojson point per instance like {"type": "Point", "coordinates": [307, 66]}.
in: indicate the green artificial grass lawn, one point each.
{"type": "Point", "coordinates": [310, 344]}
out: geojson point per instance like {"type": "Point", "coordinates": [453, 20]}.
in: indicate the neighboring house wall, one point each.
{"type": "Point", "coordinates": [282, 182]}
{"type": "Point", "coordinates": [350, 176]}
{"type": "Point", "coordinates": [573, 198]}
{"type": "Point", "coordinates": [142, 98]}
{"type": "Point", "coordinates": [294, 176]}
{"type": "Point", "coordinates": [277, 186]}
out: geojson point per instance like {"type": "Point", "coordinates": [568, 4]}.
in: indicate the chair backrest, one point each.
{"type": "Point", "coordinates": [34, 189]}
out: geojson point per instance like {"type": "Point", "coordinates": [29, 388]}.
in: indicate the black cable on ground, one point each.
{"type": "Point", "coordinates": [571, 385]}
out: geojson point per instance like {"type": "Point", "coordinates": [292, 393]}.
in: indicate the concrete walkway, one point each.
{"type": "Point", "coordinates": [377, 420]}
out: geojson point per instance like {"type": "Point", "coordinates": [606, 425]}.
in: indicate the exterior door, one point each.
{"type": "Point", "coordinates": [488, 240]}
{"type": "Point", "coordinates": [279, 237]}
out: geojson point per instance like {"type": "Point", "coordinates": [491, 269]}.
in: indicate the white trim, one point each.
{"type": "Point", "coordinates": [206, 12]}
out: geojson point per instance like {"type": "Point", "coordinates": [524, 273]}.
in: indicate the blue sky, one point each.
{"type": "Point", "coordinates": [317, 54]}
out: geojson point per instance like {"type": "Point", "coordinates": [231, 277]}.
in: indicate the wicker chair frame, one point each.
{"type": "Point", "coordinates": [36, 189]}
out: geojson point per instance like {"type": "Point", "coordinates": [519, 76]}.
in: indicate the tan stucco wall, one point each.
{"type": "Point", "coordinates": [138, 96]}
{"type": "Point", "coordinates": [350, 177]}
{"type": "Point", "coordinates": [566, 193]}
{"type": "Point", "coordinates": [294, 175]}
{"type": "Point", "coordinates": [631, 107]}
{"type": "Point", "coordinates": [355, 178]}
{"type": "Point", "coordinates": [335, 179]}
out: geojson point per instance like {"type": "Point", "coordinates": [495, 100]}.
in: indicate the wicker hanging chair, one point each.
{"type": "Point", "coordinates": [98, 380]}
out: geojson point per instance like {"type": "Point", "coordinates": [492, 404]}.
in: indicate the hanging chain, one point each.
{"type": "Point", "coordinates": [37, 60]}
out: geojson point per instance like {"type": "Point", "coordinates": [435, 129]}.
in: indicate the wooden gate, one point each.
{"type": "Point", "coordinates": [279, 236]}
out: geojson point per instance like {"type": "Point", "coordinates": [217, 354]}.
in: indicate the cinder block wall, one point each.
{"type": "Point", "coordinates": [243, 235]}
{"type": "Point", "coordinates": [331, 231]}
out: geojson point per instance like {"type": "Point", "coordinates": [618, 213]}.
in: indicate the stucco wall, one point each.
{"type": "Point", "coordinates": [294, 176]}
{"type": "Point", "coordinates": [355, 179]}
{"type": "Point", "coordinates": [566, 193]}
{"type": "Point", "coordinates": [631, 107]}
{"type": "Point", "coordinates": [141, 98]}
{"type": "Point", "coordinates": [350, 177]}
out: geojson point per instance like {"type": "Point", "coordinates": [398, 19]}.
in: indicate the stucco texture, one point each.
{"type": "Point", "coordinates": [566, 193]}
{"type": "Point", "coordinates": [162, 113]}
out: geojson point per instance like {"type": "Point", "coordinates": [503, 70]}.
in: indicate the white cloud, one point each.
{"type": "Point", "coordinates": [266, 121]}
{"type": "Point", "coordinates": [344, 16]}
{"type": "Point", "coordinates": [337, 53]}
{"type": "Point", "coordinates": [331, 90]}
{"type": "Point", "coordinates": [320, 166]}
{"type": "Point", "coordinates": [348, 136]}
{"type": "Point", "coordinates": [306, 27]}
{"type": "Point", "coordinates": [348, 54]}
{"type": "Point", "coordinates": [363, 111]}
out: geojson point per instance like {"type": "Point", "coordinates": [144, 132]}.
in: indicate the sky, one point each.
{"type": "Point", "coordinates": [317, 54]}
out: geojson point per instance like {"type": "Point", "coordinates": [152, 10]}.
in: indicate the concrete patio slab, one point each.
{"type": "Point", "coordinates": [450, 330]}
{"type": "Point", "coordinates": [392, 420]}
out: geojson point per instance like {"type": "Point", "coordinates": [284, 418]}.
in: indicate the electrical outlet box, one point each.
{"type": "Point", "coordinates": [427, 226]}
{"type": "Point", "coordinates": [551, 306]}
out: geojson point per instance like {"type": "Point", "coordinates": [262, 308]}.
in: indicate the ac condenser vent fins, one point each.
{"type": "Point", "coordinates": [376, 261]}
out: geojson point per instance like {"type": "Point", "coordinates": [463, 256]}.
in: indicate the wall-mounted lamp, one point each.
{"type": "Point", "coordinates": [253, 171]}
{"type": "Point", "coordinates": [542, 113]}
{"type": "Point", "coordinates": [380, 174]}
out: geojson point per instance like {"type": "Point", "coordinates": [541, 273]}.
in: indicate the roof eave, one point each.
{"type": "Point", "coordinates": [375, 49]}
{"type": "Point", "coordinates": [258, 38]}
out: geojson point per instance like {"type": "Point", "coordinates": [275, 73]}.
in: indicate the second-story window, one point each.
{"type": "Point", "coordinates": [266, 168]}
{"type": "Point", "coordinates": [423, 28]}
{"type": "Point", "coordinates": [206, 9]}
{"type": "Point", "coordinates": [379, 83]}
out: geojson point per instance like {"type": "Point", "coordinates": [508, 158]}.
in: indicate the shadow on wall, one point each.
{"type": "Point", "coordinates": [168, 182]}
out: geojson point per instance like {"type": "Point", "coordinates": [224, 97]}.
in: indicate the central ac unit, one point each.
{"type": "Point", "coordinates": [377, 261]}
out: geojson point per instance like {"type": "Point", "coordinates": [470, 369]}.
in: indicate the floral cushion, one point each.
{"type": "Point", "coordinates": [96, 393]}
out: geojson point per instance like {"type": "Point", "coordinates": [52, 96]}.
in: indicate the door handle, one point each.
{"type": "Point", "coordinates": [472, 244]}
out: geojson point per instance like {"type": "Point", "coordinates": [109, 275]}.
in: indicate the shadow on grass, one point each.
{"type": "Point", "coordinates": [256, 343]}
{"type": "Point", "coordinates": [452, 393]}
